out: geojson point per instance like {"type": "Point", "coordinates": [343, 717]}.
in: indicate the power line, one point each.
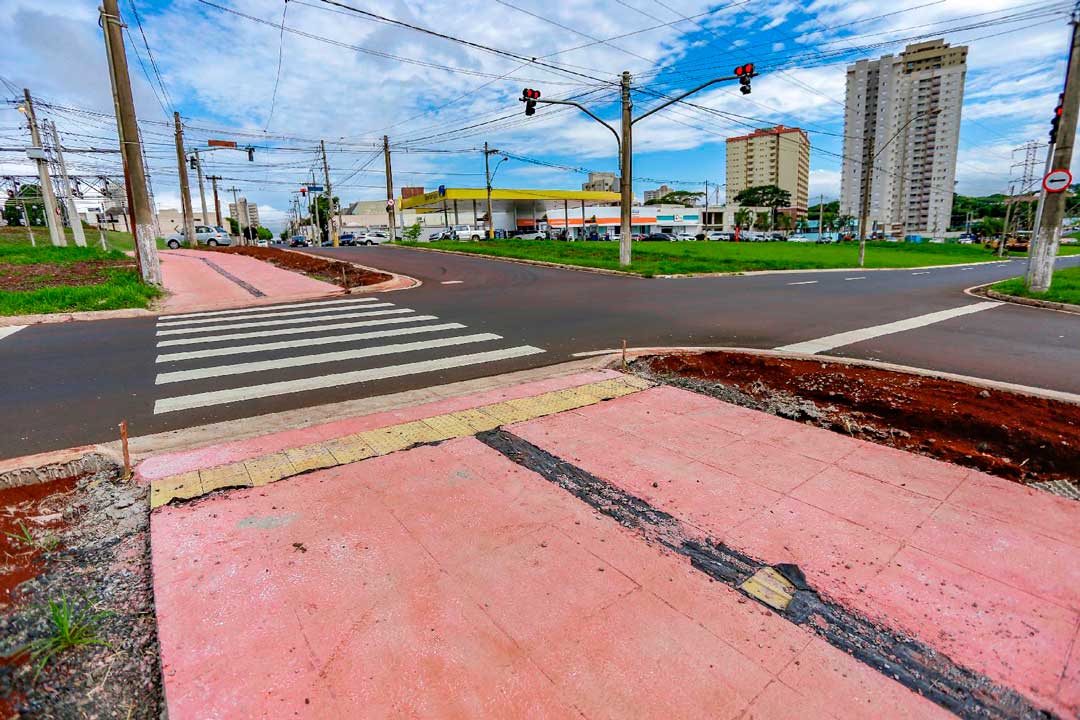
{"type": "Point", "coordinates": [280, 55]}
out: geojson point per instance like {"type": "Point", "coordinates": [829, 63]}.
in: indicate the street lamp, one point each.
{"type": "Point", "coordinates": [868, 168]}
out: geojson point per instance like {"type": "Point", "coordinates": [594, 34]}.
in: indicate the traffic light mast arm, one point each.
{"type": "Point", "coordinates": [583, 109]}
{"type": "Point", "coordinates": [686, 94]}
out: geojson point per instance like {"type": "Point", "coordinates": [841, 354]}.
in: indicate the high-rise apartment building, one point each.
{"type": "Point", "coordinates": [771, 156]}
{"type": "Point", "coordinates": [249, 211]}
{"type": "Point", "coordinates": [658, 193]}
{"type": "Point", "coordinates": [905, 109]}
{"type": "Point", "coordinates": [601, 182]}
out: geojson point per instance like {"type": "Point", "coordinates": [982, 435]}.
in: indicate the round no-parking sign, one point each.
{"type": "Point", "coordinates": [1057, 181]}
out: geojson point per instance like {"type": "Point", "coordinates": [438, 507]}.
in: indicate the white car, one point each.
{"type": "Point", "coordinates": [684, 236]}
{"type": "Point", "coordinates": [373, 237]}
{"type": "Point", "coordinates": [532, 235]}
{"type": "Point", "coordinates": [800, 238]}
{"type": "Point", "coordinates": [262, 243]}
{"type": "Point", "coordinates": [204, 235]}
{"type": "Point", "coordinates": [468, 232]}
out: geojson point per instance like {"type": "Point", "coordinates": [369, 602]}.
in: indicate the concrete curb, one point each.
{"type": "Point", "coordinates": [81, 316]}
{"type": "Point", "coordinates": [396, 282]}
{"type": "Point", "coordinates": [34, 469]}
{"type": "Point", "coordinates": [734, 273]}
{"type": "Point", "coordinates": [985, 291]}
{"type": "Point", "coordinates": [613, 359]}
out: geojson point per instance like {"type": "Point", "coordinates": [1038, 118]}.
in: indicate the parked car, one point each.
{"type": "Point", "coordinates": [684, 236]}
{"type": "Point", "coordinates": [720, 235]}
{"type": "Point", "coordinates": [204, 235]}
{"type": "Point", "coordinates": [262, 243]}
{"type": "Point", "coordinates": [298, 241]}
{"type": "Point", "coordinates": [659, 237]}
{"type": "Point", "coordinates": [468, 232]}
{"type": "Point", "coordinates": [440, 234]}
{"type": "Point", "coordinates": [800, 239]}
{"type": "Point", "coordinates": [532, 235]}
{"type": "Point", "coordinates": [347, 239]}
{"type": "Point", "coordinates": [373, 237]}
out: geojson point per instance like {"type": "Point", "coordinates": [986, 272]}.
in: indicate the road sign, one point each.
{"type": "Point", "coordinates": [315, 188]}
{"type": "Point", "coordinates": [389, 204]}
{"type": "Point", "coordinates": [221, 143]}
{"type": "Point", "coordinates": [1057, 180]}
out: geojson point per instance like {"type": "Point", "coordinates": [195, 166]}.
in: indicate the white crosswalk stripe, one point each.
{"type": "Point", "coordinates": [295, 348]}
{"type": "Point", "coordinates": [9, 330]}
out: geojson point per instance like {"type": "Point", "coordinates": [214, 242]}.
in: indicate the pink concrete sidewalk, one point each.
{"type": "Point", "coordinates": [192, 284]}
{"type": "Point", "coordinates": [448, 581]}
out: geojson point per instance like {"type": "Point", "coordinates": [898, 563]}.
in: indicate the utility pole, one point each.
{"type": "Point", "coordinates": [315, 204]}
{"type": "Point", "coordinates": [330, 197]}
{"type": "Point", "coordinates": [217, 203]}
{"type": "Point", "coordinates": [1005, 225]}
{"type": "Point", "coordinates": [72, 211]}
{"type": "Point", "coordinates": [391, 224]}
{"type": "Point", "coordinates": [1045, 239]}
{"type": "Point", "coordinates": [239, 215]}
{"type": "Point", "coordinates": [48, 197]}
{"type": "Point", "coordinates": [821, 217]}
{"type": "Point", "coordinates": [487, 175]}
{"type": "Point", "coordinates": [626, 187]}
{"type": "Point", "coordinates": [127, 128]}
{"type": "Point", "coordinates": [185, 191]}
{"type": "Point", "coordinates": [202, 192]}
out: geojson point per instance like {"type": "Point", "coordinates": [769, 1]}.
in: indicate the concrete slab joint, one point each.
{"type": "Point", "coordinates": [276, 466]}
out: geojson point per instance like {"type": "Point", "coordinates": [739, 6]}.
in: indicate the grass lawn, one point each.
{"type": "Point", "coordinates": [1064, 288]}
{"type": "Point", "coordinates": [48, 279]}
{"type": "Point", "coordinates": [114, 240]}
{"type": "Point", "coordinates": [677, 258]}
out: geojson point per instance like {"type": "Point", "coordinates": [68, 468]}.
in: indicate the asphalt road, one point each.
{"type": "Point", "coordinates": [70, 384]}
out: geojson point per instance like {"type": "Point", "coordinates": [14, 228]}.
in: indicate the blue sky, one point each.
{"type": "Point", "coordinates": [350, 79]}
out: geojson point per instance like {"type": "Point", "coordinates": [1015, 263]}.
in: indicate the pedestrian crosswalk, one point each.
{"type": "Point", "coordinates": [232, 356]}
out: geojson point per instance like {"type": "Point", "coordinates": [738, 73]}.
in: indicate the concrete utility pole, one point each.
{"type": "Point", "coordinates": [1052, 205]}
{"type": "Point", "coordinates": [391, 224]}
{"type": "Point", "coordinates": [820, 216]}
{"type": "Point", "coordinates": [330, 198]}
{"type": "Point", "coordinates": [72, 211]}
{"type": "Point", "coordinates": [1005, 225]}
{"type": "Point", "coordinates": [239, 215]}
{"type": "Point", "coordinates": [487, 176]}
{"type": "Point", "coordinates": [315, 213]}
{"type": "Point", "coordinates": [202, 191]}
{"type": "Point", "coordinates": [127, 128]}
{"type": "Point", "coordinates": [185, 191]}
{"type": "Point", "coordinates": [48, 197]}
{"type": "Point", "coordinates": [626, 185]}
{"type": "Point", "coordinates": [217, 202]}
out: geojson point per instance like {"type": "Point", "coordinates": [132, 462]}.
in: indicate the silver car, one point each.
{"type": "Point", "coordinates": [204, 235]}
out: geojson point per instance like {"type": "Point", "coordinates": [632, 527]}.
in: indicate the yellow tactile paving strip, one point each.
{"type": "Point", "coordinates": [371, 443]}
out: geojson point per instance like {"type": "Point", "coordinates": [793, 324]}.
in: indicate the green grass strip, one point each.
{"type": "Point", "coordinates": [1064, 287]}
{"type": "Point", "coordinates": [123, 289]}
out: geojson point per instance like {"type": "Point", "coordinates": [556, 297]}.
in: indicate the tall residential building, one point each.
{"type": "Point", "coordinates": [601, 182]}
{"type": "Point", "coordinates": [771, 156]}
{"type": "Point", "coordinates": [657, 193]}
{"type": "Point", "coordinates": [250, 212]}
{"type": "Point", "coordinates": [887, 114]}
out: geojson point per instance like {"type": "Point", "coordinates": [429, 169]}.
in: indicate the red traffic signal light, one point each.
{"type": "Point", "coordinates": [303, 191]}
{"type": "Point", "coordinates": [1056, 120]}
{"type": "Point", "coordinates": [529, 96]}
{"type": "Point", "coordinates": [744, 73]}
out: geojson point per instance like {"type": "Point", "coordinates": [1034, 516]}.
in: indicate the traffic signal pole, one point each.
{"type": "Point", "coordinates": [1047, 234]}
{"type": "Point", "coordinates": [185, 191]}
{"type": "Point", "coordinates": [530, 97]}
{"type": "Point", "coordinates": [217, 201]}
{"type": "Point", "coordinates": [329, 197]}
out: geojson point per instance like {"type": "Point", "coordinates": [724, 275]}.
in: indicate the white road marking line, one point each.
{"type": "Point", "coordinates": [266, 308]}
{"type": "Point", "coordinates": [295, 331]}
{"type": "Point", "coordinates": [451, 282]}
{"type": "Point", "coordinates": [924, 272]}
{"type": "Point", "coordinates": [10, 330]}
{"type": "Point", "coordinates": [804, 282]}
{"type": "Point", "coordinates": [318, 359]}
{"type": "Point", "coordinates": [305, 342]}
{"type": "Point", "coordinates": [252, 392]}
{"type": "Point", "coordinates": [286, 321]}
{"type": "Point", "coordinates": [853, 336]}
{"type": "Point", "coordinates": [289, 313]}
{"type": "Point", "coordinates": [856, 278]}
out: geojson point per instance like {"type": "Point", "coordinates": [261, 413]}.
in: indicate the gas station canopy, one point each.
{"type": "Point", "coordinates": [437, 199]}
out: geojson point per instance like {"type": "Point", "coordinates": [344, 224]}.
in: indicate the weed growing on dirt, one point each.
{"type": "Point", "coordinates": [70, 627]}
{"type": "Point", "coordinates": [25, 537]}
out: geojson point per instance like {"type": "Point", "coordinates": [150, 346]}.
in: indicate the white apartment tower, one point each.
{"type": "Point", "coordinates": [888, 113]}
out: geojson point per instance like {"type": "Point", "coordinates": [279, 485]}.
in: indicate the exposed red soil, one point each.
{"type": "Point", "coordinates": [1014, 436]}
{"type": "Point", "coordinates": [40, 508]}
{"type": "Point", "coordinates": [39, 275]}
{"type": "Point", "coordinates": [340, 273]}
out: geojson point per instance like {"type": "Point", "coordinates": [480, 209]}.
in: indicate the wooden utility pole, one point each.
{"type": "Point", "coordinates": [490, 234]}
{"type": "Point", "coordinates": [185, 191]}
{"type": "Point", "coordinates": [1045, 239]}
{"type": "Point", "coordinates": [127, 129]}
{"type": "Point", "coordinates": [202, 191]}
{"type": "Point", "coordinates": [330, 198]}
{"type": "Point", "coordinates": [626, 187]}
{"type": "Point", "coordinates": [239, 215]}
{"type": "Point", "coordinates": [390, 222]}
{"type": "Point", "coordinates": [48, 197]}
{"type": "Point", "coordinates": [217, 202]}
{"type": "Point", "coordinates": [820, 216]}
{"type": "Point", "coordinates": [69, 197]}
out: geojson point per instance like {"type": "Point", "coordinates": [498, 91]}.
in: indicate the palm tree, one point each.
{"type": "Point", "coordinates": [770, 196]}
{"type": "Point", "coordinates": [743, 217]}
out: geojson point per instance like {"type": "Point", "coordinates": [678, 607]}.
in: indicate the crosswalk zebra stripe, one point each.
{"type": "Point", "coordinates": [263, 308]}
{"type": "Point", "coordinates": [305, 342]}
{"type": "Point", "coordinates": [294, 331]}
{"type": "Point", "coordinates": [252, 392]}
{"type": "Point", "coordinates": [284, 321]}
{"type": "Point", "coordinates": [10, 330]}
{"type": "Point", "coordinates": [267, 314]}
{"type": "Point", "coordinates": [319, 358]}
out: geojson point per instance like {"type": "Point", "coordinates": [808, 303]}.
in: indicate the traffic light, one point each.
{"type": "Point", "coordinates": [529, 97]}
{"type": "Point", "coordinates": [744, 73]}
{"type": "Point", "coordinates": [251, 154]}
{"type": "Point", "coordinates": [1056, 120]}
{"type": "Point", "coordinates": [303, 192]}
{"type": "Point", "coordinates": [193, 162]}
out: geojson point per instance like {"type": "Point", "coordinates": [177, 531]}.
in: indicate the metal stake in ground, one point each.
{"type": "Point", "coordinates": [124, 446]}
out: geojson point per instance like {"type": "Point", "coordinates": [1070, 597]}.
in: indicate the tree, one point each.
{"type": "Point", "coordinates": [761, 221]}
{"type": "Point", "coordinates": [784, 222]}
{"type": "Point", "coordinates": [249, 232]}
{"type": "Point", "coordinates": [412, 233]}
{"type": "Point", "coordinates": [264, 233]}
{"type": "Point", "coordinates": [770, 196]}
{"type": "Point", "coordinates": [988, 227]}
{"type": "Point", "coordinates": [686, 198]}
{"type": "Point", "coordinates": [284, 235]}
{"type": "Point", "coordinates": [323, 205]}
{"type": "Point", "coordinates": [743, 216]}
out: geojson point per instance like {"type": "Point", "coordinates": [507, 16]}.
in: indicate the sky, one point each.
{"type": "Point", "coordinates": [346, 78]}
